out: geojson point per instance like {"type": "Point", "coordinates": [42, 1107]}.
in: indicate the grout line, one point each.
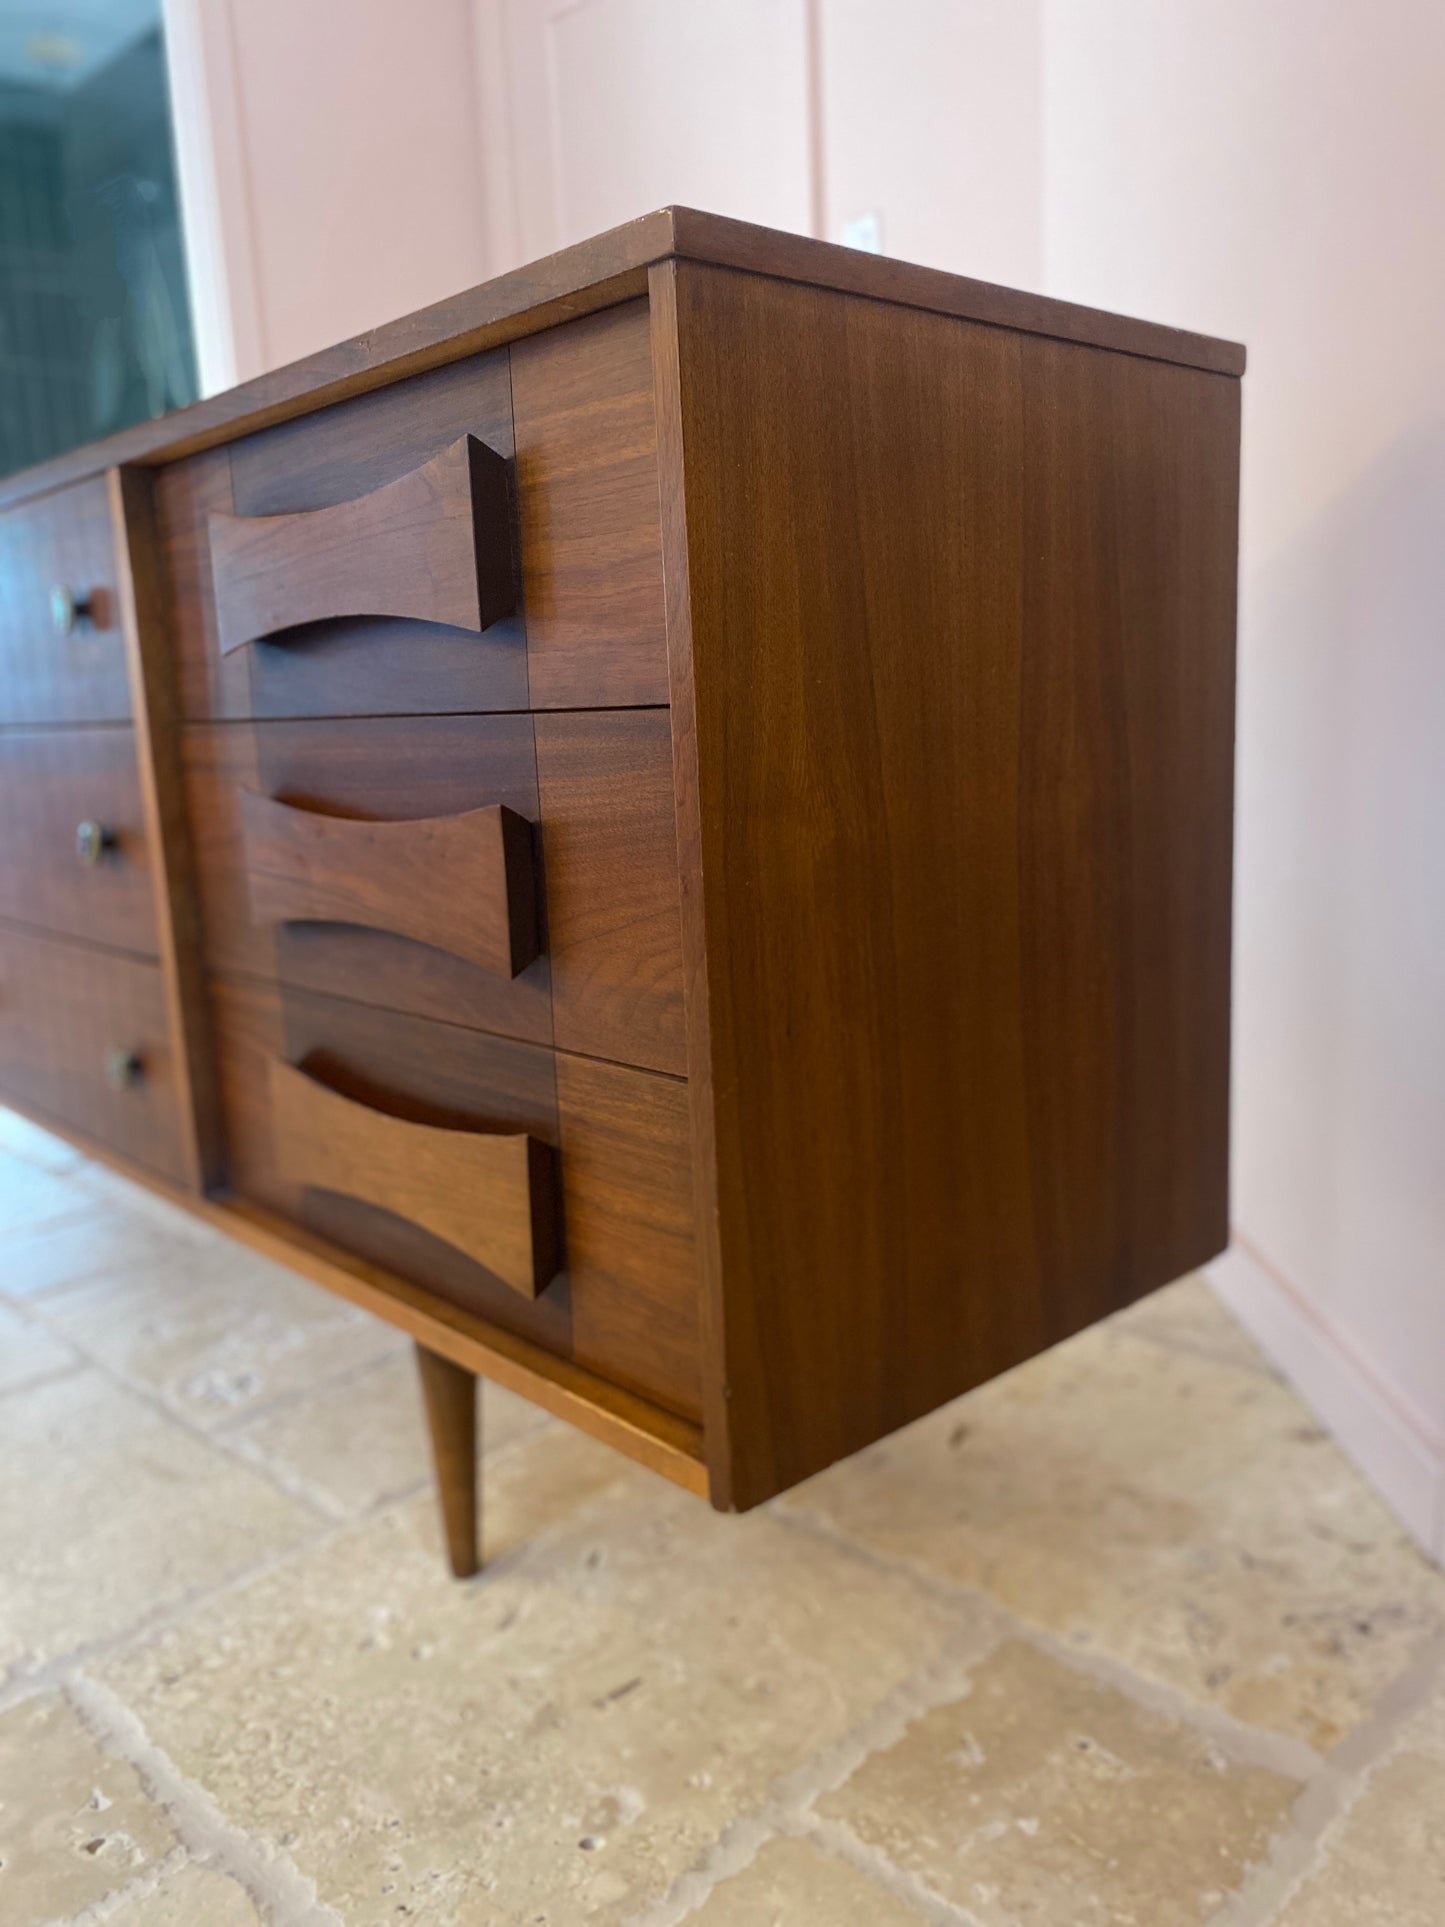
{"type": "Point", "coordinates": [289, 1488]}
{"type": "Point", "coordinates": [268, 1875]}
{"type": "Point", "coordinates": [17, 1685]}
{"type": "Point", "coordinates": [841, 1843]}
{"type": "Point", "coordinates": [50, 1376]}
{"type": "Point", "coordinates": [1186, 1348]}
{"type": "Point", "coordinates": [1325, 1806]}
{"type": "Point", "coordinates": [41, 1227]}
{"type": "Point", "coordinates": [282, 1402]}
{"type": "Point", "coordinates": [1247, 1745]}
{"type": "Point", "coordinates": [788, 1805]}
{"type": "Point", "coordinates": [131, 1893]}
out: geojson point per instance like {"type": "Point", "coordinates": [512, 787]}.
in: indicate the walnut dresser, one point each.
{"type": "Point", "coordinates": [664, 824]}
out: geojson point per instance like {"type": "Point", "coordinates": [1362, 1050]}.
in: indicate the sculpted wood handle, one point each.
{"type": "Point", "coordinates": [436, 544]}
{"type": "Point", "coordinates": [492, 1196]}
{"type": "Point", "coordinates": [465, 883]}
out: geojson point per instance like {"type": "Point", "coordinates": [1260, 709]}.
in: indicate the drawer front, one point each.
{"type": "Point", "coordinates": [62, 654]}
{"type": "Point", "coordinates": [311, 495]}
{"type": "Point", "coordinates": [549, 1194]}
{"type": "Point", "coordinates": [432, 546]}
{"type": "Point", "coordinates": [83, 1038]}
{"type": "Point", "coordinates": [74, 857]}
{"type": "Point", "coordinates": [507, 873]}
{"type": "Point", "coordinates": [483, 537]}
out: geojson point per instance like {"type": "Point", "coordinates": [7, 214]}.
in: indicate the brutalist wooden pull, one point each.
{"type": "Point", "coordinates": [434, 545]}
{"type": "Point", "coordinates": [493, 1196]}
{"type": "Point", "coordinates": [464, 883]}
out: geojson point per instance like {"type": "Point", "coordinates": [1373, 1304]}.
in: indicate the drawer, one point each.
{"type": "Point", "coordinates": [83, 1039]}
{"type": "Point", "coordinates": [74, 857]}
{"type": "Point", "coordinates": [548, 1193]}
{"type": "Point", "coordinates": [515, 874]}
{"type": "Point", "coordinates": [62, 654]}
{"type": "Point", "coordinates": [482, 537]}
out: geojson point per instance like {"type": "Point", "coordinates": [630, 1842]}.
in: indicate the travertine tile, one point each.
{"type": "Point", "coordinates": [1046, 1796]}
{"type": "Point", "coordinates": [792, 1884]}
{"type": "Point", "coordinates": [1185, 1517]}
{"type": "Point", "coordinates": [28, 1353]}
{"type": "Point", "coordinates": [559, 1739]}
{"type": "Point", "coordinates": [75, 1824]}
{"type": "Point", "coordinates": [1190, 1318]}
{"type": "Point", "coordinates": [1383, 1864]}
{"type": "Point", "coordinates": [214, 1329]}
{"type": "Point", "coordinates": [189, 1895]}
{"type": "Point", "coordinates": [24, 1139]}
{"type": "Point", "coordinates": [31, 1195]}
{"type": "Point", "coordinates": [109, 1511]}
{"type": "Point", "coordinates": [102, 1237]}
{"type": "Point", "coordinates": [364, 1440]}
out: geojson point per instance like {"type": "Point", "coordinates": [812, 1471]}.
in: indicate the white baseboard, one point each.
{"type": "Point", "coordinates": [1404, 1465]}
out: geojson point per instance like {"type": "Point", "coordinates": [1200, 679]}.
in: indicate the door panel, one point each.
{"type": "Point", "coordinates": [620, 106]}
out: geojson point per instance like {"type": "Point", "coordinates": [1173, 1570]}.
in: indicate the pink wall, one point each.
{"type": "Point", "coordinates": [1278, 174]}
{"type": "Point", "coordinates": [330, 164]}
{"type": "Point", "coordinates": [930, 113]}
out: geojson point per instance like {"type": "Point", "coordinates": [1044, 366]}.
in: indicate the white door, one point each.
{"type": "Point", "coordinates": [596, 111]}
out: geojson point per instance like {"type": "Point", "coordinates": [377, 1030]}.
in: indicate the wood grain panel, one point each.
{"type": "Point", "coordinates": [605, 784]}
{"type": "Point", "coordinates": [587, 494]}
{"type": "Point", "coordinates": [368, 667]}
{"type": "Point", "coordinates": [465, 883]}
{"type": "Point", "coordinates": [343, 451]}
{"type": "Point", "coordinates": [52, 781]}
{"type": "Point", "coordinates": [69, 1018]}
{"type": "Point", "coordinates": [432, 546]}
{"type": "Point", "coordinates": [490, 1194]}
{"type": "Point", "coordinates": [628, 1192]}
{"type": "Point", "coordinates": [372, 774]}
{"type": "Point", "coordinates": [957, 817]}
{"type": "Point", "coordinates": [60, 541]}
{"type": "Point", "coordinates": [1125, 811]}
{"type": "Point", "coordinates": [626, 1305]}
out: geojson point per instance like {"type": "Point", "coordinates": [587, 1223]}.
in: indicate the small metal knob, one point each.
{"type": "Point", "coordinates": [123, 1068]}
{"type": "Point", "coordinates": [92, 840]}
{"type": "Point", "coordinates": [68, 610]}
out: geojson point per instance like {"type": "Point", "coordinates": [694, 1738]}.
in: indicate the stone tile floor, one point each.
{"type": "Point", "coordinates": [1120, 1639]}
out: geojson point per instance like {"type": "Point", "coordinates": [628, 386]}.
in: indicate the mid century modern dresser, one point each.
{"type": "Point", "coordinates": [664, 824]}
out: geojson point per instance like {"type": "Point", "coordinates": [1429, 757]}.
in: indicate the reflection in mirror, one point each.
{"type": "Point", "coordinates": [95, 328]}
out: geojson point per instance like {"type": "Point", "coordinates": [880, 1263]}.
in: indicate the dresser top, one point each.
{"type": "Point", "coordinates": [594, 274]}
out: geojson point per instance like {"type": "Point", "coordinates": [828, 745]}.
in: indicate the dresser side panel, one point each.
{"type": "Point", "coordinates": [960, 625]}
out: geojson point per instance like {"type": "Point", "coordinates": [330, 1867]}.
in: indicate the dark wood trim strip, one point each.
{"type": "Point", "coordinates": [667, 402]}
{"type": "Point", "coordinates": [141, 599]}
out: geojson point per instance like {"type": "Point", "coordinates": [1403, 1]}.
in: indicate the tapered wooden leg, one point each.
{"type": "Point", "coordinates": [450, 1394]}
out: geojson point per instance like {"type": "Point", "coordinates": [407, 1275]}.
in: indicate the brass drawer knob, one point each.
{"type": "Point", "coordinates": [92, 840]}
{"type": "Point", "coordinates": [123, 1068]}
{"type": "Point", "coordinates": [68, 610]}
